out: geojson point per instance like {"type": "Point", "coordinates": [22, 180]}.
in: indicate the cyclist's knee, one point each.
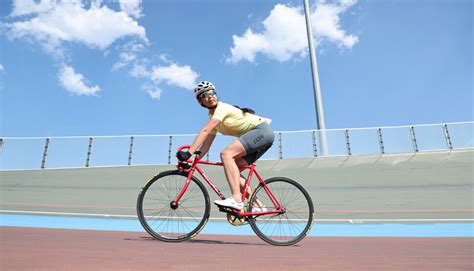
{"type": "Point", "coordinates": [227, 158]}
{"type": "Point", "coordinates": [229, 153]}
{"type": "Point", "coordinates": [226, 155]}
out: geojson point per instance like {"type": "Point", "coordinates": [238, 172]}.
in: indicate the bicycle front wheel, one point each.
{"type": "Point", "coordinates": [173, 222]}
{"type": "Point", "coordinates": [291, 225]}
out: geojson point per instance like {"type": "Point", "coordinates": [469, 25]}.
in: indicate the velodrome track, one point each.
{"type": "Point", "coordinates": [59, 249]}
{"type": "Point", "coordinates": [391, 212]}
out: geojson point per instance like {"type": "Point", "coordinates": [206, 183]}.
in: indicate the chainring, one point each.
{"type": "Point", "coordinates": [236, 220]}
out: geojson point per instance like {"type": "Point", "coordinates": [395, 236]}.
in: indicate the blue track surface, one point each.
{"type": "Point", "coordinates": [330, 230]}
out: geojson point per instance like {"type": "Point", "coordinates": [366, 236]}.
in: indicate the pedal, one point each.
{"type": "Point", "coordinates": [226, 209]}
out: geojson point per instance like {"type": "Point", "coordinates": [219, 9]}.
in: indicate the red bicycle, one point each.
{"type": "Point", "coordinates": [175, 206]}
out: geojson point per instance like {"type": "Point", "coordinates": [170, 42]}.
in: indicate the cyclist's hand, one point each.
{"type": "Point", "coordinates": [183, 155]}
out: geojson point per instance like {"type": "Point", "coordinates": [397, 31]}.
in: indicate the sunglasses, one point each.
{"type": "Point", "coordinates": [206, 94]}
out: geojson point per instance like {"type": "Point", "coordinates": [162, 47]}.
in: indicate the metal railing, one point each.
{"type": "Point", "coordinates": [92, 151]}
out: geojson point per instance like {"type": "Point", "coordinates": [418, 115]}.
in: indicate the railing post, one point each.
{"type": "Point", "coordinates": [447, 137]}
{"type": "Point", "coordinates": [413, 139]}
{"type": "Point", "coordinates": [45, 153]}
{"type": "Point", "coordinates": [1, 144]}
{"type": "Point", "coordinates": [280, 148]}
{"type": "Point", "coordinates": [170, 145]}
{"type": "Point", "coordinates": [315, 150]}
{"type": "Point", "coordinates": [89, 152]}
{"type": "Point", "coordinates": [130, 151]}
{"type": "Point", "coordinates": [379, 134]}
{"type": "Point", "coordinates": [348, 142]}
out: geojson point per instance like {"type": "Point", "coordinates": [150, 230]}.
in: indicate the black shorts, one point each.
{"type": "Point", "coordinates": [257, 141]}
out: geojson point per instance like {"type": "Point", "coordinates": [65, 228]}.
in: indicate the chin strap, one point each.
{"type": "Point", "coordinates": [206, 106]}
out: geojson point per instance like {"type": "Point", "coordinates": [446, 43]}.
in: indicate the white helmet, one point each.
{"type": "Point", "coordinates": [202, 87]}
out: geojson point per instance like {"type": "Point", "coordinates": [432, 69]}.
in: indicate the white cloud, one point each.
{"type": "Point", "coordinates": [125, 59]}
{"type": "Point", "coordinates": [2, 69]}
{"type": "Point", "coordinates": [153, 90]}
{"type": "Point", "coordinates": [97, 27]}
{"type": "Point", "coordinates": [326, 23]}
{"type": "Point", "coordinates": [129, 54]}
{"type": "Point", "coordinates": [27, 7]}
{"type": "Point", "coordinates": [139, 71]}
{"type": "Point", "coordinates": [118, 65]}
{"type": "Point", "coordinates": [55, 24]}
{"type": "Point", "coordinates": [131, 7]}
{"type": "Point", "coordinates": [75, 82]}
{"type": "Point", "coordinates": [165, 58]}
{"type": "Point", "coordinates": [172, 75]}
{"type": "Point", "coordinates": [284, 32]}
{"type": "Point", "coordinates": [181, 76]}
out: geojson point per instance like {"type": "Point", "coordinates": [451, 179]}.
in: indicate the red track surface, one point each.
{"type": "Point", "coordinates": [53, 249]}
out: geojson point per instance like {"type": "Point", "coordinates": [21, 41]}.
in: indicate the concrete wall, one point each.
{"type": "Point", "coordinates": [437, 185]}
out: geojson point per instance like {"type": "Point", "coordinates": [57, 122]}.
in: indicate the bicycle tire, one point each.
{"type": "Point", "coordinates": [289, 227]}
{"type": "Point", "coordinates": [164, 222]}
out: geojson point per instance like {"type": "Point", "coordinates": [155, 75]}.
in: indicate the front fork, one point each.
{"type": "Point", "coordinates": [174, 204]}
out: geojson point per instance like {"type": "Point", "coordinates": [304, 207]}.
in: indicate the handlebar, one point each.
{"type": "Point", "coordinates": [182, 147]}
{"type": "Point", "coordinates": [183, 164]}
{"type": "Point", "coordinates": [186, 164]}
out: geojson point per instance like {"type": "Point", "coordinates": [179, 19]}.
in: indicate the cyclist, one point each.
{"type": "Point", "coordinates": [254, 138]}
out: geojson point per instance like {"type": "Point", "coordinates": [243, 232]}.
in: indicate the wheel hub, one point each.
{"type": "Point", "coordinates": [174, 205]}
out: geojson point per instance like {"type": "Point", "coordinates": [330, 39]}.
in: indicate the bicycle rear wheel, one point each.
{"type": "Point", "coordinates": [292, 225]}
{"type": "Point", "coordinates": [166, 221]}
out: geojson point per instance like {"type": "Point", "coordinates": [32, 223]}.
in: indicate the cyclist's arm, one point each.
{"type": "Point", "coordinates": [203, 134]}
{"type": "Point", "coordinates": [206, 145]}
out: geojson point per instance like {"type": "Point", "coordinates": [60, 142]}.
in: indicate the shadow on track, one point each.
{"type": "Point", "coordinates": [201, 241]}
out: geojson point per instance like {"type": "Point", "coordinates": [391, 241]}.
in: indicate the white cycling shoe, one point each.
{"type": "Point", "coordinates": [231, 203]}
{"type": "Point", "coordinates": [259, 209]}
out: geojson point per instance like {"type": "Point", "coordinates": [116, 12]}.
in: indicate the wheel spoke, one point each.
{"type": "Point", "coordinates": [291, 226]}
{"type": "Point", "coordinates": [173, 224]}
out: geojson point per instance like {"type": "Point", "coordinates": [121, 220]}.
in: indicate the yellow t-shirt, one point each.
{"type": "Point", "coordinates": [233, 121]}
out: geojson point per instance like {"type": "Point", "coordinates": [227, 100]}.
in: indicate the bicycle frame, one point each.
{"type": "Point", "coordinates": [195, 167]}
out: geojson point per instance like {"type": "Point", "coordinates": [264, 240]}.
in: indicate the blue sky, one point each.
{"type": "Point", "coordinates": [118, 67]}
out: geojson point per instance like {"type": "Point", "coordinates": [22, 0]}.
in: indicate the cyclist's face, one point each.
{"type": "Point", "coordinates": [209, 99]}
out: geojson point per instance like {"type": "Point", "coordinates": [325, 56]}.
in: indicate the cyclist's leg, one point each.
{"type": "Point", "coordinates": [228, 156]}
{"type": "Point", "coordinates": [256, 202]}
{"type": "Point", "coordinates": [242, 162]}
{"type": "Point", "coordinates": [249, 147]}
{"type": "Point", "coordinates": [256, 142]}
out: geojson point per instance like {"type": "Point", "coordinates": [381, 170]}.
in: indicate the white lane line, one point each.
{"type": "Point", "coordinates": [66, 214]}
{"type": "Point", "coordinates": [352, 221]}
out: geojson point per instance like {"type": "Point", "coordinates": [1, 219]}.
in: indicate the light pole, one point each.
{"type": "Point", "coordinates": [320, 123]}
